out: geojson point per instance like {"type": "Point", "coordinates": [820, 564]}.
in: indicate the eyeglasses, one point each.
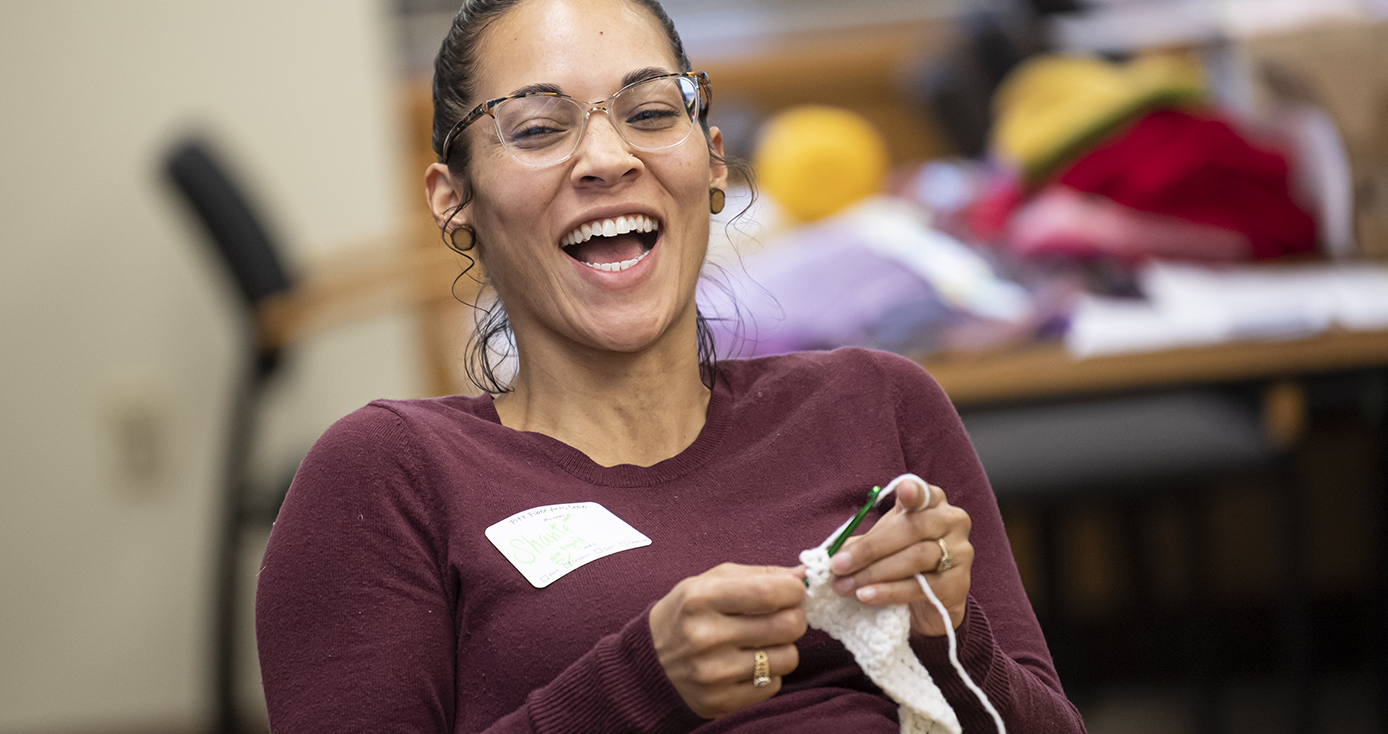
{"type": "Point", "coordinates": [544, 128]}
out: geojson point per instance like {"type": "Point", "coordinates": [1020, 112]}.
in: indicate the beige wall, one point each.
{"type": "Point", "coordinates": [108, 303]}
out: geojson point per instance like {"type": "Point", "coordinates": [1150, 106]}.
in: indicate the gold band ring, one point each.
{"type": "Point", "coordinates": [946, 562]}
{"type": "Point", "coordinates": [761, 669]}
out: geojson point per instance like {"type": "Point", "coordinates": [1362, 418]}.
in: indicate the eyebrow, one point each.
{"type": "Point", "coordinates": [641, 75]}
{"type": "Point", "coordinates": [631, 77]}
{"type": "Point", "coordinates": [541, 88]}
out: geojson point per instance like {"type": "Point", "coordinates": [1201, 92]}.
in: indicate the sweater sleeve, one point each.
{"type": "Point", "coordinates": [1000, 642]}
{"type": "Point", "coordinates": [354, 615]}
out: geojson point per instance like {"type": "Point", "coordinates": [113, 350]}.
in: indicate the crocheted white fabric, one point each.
{"type": "Point", "coordinates": [877, 637]}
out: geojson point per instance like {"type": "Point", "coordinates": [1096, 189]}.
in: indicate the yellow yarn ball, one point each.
{"type": "Point", "coordinates": [815, 161]}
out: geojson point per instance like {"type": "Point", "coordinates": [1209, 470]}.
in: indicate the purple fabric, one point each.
{"type": "Point", "coordinates": [383, 608]}
{"type": "Point", "coordinates": [824, 289]}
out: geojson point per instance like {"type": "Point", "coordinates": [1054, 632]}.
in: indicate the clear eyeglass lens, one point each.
{"type": "Point", "coordinates": [652, 115]}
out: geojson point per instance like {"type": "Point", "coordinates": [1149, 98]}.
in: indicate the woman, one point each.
{"type": "Point", "coordinates": [606, 546]}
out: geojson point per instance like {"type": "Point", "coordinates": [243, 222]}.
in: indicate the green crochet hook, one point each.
{"type": "Point", "coordinates": [853, 524]}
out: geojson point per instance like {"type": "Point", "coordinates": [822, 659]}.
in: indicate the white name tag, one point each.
{"type": "Point", "coordinates": [544, 543]}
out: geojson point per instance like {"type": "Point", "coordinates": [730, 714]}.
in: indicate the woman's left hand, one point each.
{"type": "Point", "coordinates": [880, 566]}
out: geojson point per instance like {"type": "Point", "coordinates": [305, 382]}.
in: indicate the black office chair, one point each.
{"type": "Point", "coordinates": [250, 255]}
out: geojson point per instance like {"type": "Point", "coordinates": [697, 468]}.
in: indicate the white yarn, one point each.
{"type": "Point", "coordinates": [877, 637]}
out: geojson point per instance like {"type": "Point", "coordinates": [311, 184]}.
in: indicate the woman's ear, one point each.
{"type": "Point", "coordinates": [718, 170]}
{"type": "Point", "coordinates": [444, 196]}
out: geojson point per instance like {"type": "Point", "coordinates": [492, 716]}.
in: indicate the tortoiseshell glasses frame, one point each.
{"type": "Point", "coordinates": [557, 146]}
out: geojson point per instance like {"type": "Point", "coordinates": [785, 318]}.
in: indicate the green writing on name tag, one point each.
{"type": "Point", "coordinates": [544, 543]}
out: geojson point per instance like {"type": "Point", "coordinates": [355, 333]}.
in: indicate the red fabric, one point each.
{"type": "Point", "coordinates": [1197, 168]}
{"type": "Point", "coordinates": [1062, 221]}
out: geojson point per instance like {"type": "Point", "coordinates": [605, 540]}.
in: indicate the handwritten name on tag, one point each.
{"type": "Point", "coordinates": [545, 543]}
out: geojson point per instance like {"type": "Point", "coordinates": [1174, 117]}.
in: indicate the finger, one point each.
{"type": "Point", "coordinates": [897, 531]}
{"type": "Point", "coordinates": [738, 570]}
{"type": "Point", "coordinates": [782, 659]}
{"type": "Point", "coordinates": [753, 631]}
{"type": "Point", "coordinates": [735, 666]}
{"type": "Point", "coordinates": [911, 496]}
{"type": "Point", "coordinates": [923, 557]}
{"type": "Point", "coordinates": [727, 679]}
{"type": "Point", "coordinates": [949, 588]}
{"type": "Point", "coordinates": [753, 593]}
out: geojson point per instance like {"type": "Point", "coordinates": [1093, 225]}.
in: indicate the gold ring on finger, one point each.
{"type": "Point", "coordinates": [761, 669]}
{"type": "Point", "coordinates": [946, 562]}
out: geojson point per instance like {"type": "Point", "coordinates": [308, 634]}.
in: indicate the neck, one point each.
{"type": "Point", "coordinates": [617, 408]}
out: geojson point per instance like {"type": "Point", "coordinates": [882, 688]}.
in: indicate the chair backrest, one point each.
{"type": "Point", "coordinates": [248, 252]}
{"type": "Point", "coordinates": [235, 227]}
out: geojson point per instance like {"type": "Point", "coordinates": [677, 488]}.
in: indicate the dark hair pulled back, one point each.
{"type": "Point", "coordinates": [455, 94]}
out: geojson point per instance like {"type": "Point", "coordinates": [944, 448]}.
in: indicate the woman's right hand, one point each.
{"type": "Point", "coordinates": [708, 628]}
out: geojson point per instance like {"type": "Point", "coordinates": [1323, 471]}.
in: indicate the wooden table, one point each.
{"type": "Point", "coordinates": [1046, 371]}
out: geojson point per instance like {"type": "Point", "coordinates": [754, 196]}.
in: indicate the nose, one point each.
{"type": "Point", "coordinates": [603, 156]}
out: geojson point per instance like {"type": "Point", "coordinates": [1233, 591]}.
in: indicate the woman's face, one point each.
{"type": "Point", "coordinates": [524, 216]}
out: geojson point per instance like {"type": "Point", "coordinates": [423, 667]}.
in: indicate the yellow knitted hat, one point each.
{"type": "Point", "coordinates": [815, 161]}
{"type": "Point", "coordinates": [1051, 108]}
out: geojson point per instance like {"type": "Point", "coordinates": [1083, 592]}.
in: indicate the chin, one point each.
{"type": "Point", "coordinates": [628, 335]}
{"type": "Point", "coordinates": [625, 342]}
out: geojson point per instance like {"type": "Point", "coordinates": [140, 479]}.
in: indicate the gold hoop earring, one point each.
{"type": "Point", "coordinates": [715, 200]}
{"type": "Point", "coordinates": [464, 243]}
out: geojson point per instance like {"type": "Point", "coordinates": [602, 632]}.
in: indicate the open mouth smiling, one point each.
{"type": "Point", "coordinates": [613, 244]}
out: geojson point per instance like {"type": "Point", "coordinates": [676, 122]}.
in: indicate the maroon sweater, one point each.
{"type": "Point", "coordinates": [382, 607]}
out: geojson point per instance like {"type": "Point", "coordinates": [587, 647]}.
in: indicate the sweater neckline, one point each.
{"type": "Point", "coordinates": [575, 462]}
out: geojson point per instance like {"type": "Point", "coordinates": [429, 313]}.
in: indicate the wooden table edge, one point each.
{"type": "Point", "coordinates": [1047, 371]}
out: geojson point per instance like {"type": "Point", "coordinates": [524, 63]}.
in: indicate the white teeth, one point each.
{"type": "Point", "coordinates": [616, 267]}
{"type": "Point", "coordinates": [610, 228]}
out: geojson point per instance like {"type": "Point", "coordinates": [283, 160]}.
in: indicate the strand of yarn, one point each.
{"type": "Point", "coordinates": [878, 639]}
